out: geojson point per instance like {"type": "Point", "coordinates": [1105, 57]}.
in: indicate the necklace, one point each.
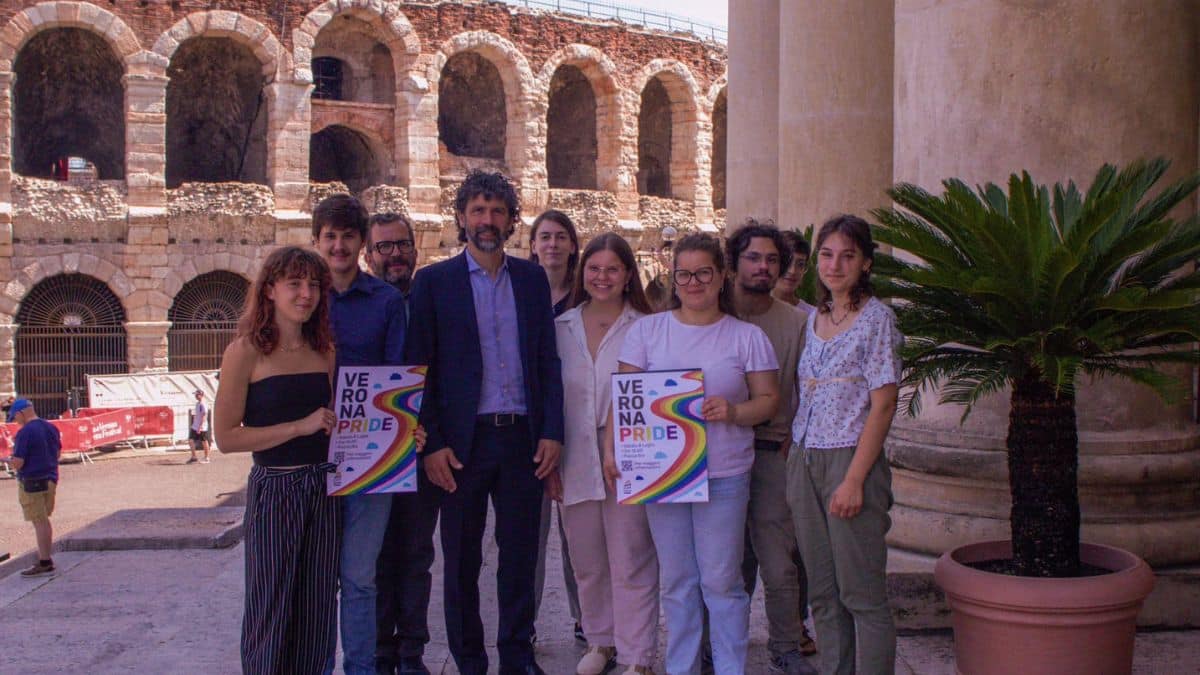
{"type": "Point", "coordinates": [292, 347]}
{"type": "Point", "coordinates": [837, 322]}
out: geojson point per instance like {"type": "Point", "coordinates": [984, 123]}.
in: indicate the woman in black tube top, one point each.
{"type": "Point", "coordinates": [273, 401]}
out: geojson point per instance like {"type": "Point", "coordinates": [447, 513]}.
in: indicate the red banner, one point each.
{"type": "Point", "coordinates": [96, 427]}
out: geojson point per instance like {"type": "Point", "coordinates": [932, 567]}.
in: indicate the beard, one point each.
{"type": "Point", "coordinates": [487, 246]}
{"type": "Point", "coordinates": [757, 287]}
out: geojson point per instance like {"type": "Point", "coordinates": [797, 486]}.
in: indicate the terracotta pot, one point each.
{"type": "Point", "coordinates": [1030, 626]}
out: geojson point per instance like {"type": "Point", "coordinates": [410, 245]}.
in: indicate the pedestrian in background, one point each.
{"type": "Point", "coordinates": [36, 449]}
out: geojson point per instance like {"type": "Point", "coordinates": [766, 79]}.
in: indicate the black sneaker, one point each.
{"type": "Point", "coordinates": [790, 663]}
{"type": "Point", "coordinates": [411, 665]}
{"type": "Point", "coordinates": [39, 569]}
{"type": "Point", "coordinates": [579, 633]}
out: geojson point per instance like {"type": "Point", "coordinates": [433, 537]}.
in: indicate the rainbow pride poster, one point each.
{"type": "Point", "coordinates": [659, 437]}
{"type": "Point", "coordinates": [373, 443]}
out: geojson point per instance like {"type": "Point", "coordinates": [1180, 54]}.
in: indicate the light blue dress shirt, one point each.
{"type": "Point", "coordinates": [503, 387]}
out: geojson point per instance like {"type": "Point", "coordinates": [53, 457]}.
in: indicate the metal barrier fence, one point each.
{"type": "Point", "coordinates": [53, 360]}
{"type": "Point", "coordinates": [634, 15]}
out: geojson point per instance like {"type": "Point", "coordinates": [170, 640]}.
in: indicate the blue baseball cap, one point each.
{"type": "Point", "coordinates": [17, 406]}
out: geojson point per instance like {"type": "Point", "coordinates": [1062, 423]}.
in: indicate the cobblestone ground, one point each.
{"type": "Point", "coordinates": [125, 479]}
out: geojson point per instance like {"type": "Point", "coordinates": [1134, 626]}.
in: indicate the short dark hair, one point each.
{"type": "Point", "coordinates": [739, 241]}
{"type": "Point", "coordinates": [489, 185]}
{"type": "Point", "coordinates": [387, 218]}
{"type": "Point", "coordinates": [859, 232]}
{"type": "Point", "coordinates": [341, 212]}
{"type": "Point", "coordinates": [797, 243]}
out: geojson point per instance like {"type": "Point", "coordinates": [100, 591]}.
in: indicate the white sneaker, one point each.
{"type": "Point", "coordinates": [597, 661]}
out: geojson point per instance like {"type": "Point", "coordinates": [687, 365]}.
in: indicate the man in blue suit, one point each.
{"type": "Point", "coordinates": [492, 409]}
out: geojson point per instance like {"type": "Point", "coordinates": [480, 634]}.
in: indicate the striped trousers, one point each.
{"type": "Point", "coordinates": [291, 532]}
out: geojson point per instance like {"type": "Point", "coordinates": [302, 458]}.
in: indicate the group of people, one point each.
{"type": "Point", "coordinates": [516, 411]}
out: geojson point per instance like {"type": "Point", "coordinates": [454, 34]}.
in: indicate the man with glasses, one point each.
{"type": "Point", "coordinates": [392, 249]}
{"type": "Point", "coordinates": [368, 319]}
{"type": "Point", "coordinates": [402, 574]}
{"type": "Point", "coordinates": [756, 254]}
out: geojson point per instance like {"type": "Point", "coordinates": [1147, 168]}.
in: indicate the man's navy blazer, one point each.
{"type": "Point", "coordinates": [444, 335]}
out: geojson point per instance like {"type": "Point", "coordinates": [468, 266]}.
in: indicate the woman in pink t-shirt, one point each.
{"type": "Point", "coordinates": [700, 545]}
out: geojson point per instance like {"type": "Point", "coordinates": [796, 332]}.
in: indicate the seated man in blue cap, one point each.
{"type": "Point", "coordinates": [35, 457]}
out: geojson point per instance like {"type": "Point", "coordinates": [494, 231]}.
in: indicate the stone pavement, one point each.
{"type": "Point", "coordinates": [179, 610]}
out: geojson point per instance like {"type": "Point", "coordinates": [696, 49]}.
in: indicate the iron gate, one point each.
{"type": "Point", "coordinates": [69, 326]}
{"type": "Point", "coordinates": [204, 320]}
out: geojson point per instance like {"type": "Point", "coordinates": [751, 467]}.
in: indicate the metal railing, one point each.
{"type": "Point", "coordinates": [50, 361]}
{"type": "Point", "coordinates": [198, 345]}
{"type": "Point", "coordinates": [647, 18]}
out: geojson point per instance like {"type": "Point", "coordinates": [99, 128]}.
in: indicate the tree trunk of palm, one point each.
{"type": "Point", "coordinates": [1043, 469]}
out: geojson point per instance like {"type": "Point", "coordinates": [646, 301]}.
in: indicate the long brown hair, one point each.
{"type": "Point", "coordinates": [632, 292]}
{"type": "Point", "coordinates": [709, 244]}
{"type": "Point", "coordinates": [258, 319]}
{"type": "Point", "coordinates": [564, 221]}
{"type": "Point", "coordinates": [859, 233]}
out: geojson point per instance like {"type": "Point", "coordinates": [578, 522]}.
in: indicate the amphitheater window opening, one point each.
{"type": "Point", "coordinates": [216, 114]}
{"type": "Point", "coordinates": [654, 141]}
{"type": "Point", "coordinates": [68, 101]}
{"type": "Point", "coordinates": [69, 326]}
{"type": "Point", "coordinates": [337, 153]}
{"type": "Point", "coordinates": [327, 78]}
{"type": "Point", "coordinates": [720, 125]}
{"type": "Point", "coordinates": [364, 62]}
{"type": "Point", "coordinates": [204, 320]}
{"type": "Point", "coordinates": [472, 116]}
{"type": "Point", "coordinates": [571, 147]}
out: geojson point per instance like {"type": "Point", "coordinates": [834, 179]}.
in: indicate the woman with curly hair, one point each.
{"type": "Point", "coordinates": [273, 401]}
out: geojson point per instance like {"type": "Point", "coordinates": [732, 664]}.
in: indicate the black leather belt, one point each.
{"type": "Point", "coordinates": [499, 419]}
{"type": "Point", "coordinates": [769, 446]}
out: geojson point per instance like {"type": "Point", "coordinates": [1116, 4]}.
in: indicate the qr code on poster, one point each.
{"type": "Point", "coordinates": [626, 465]}
{"type": "Point", "coordinates": [339, 457]}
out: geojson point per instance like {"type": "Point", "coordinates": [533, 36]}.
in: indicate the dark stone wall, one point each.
{"type": "Point", "coordinates": [471, 110]}
{"type": "Point", "coordinates": [720, 124]}
{"type": "Point", "coordinates": [571, 148]}
{"type": "Point", "coordinates": [216, 114]}
{"type": "Point", "coordinates": [654, 141]}
{"type": "Point", "coordinates": [337, 153]}
{"type": "Point", "coordinates": [68, 101]}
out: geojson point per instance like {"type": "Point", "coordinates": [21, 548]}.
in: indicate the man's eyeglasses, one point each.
{"type": "Point", "coordinates": [386, 247]}
{"type": "Point", "coordinates": [684, 277]}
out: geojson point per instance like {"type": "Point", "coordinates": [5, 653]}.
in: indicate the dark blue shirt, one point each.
{"type": "Point", "coordinates": [38, 443]}
{"type": "Point", "coordinates": [368, 323]}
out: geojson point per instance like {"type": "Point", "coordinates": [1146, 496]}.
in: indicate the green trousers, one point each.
{"type": "Point", "coordinates": [846, 561]}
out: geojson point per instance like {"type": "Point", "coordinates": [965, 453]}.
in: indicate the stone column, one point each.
{"type": "Point", "coordinates": [753, 143]}
{"type": "Point", "coordinates": [835, 109]}
{"type": "Point", "coordinates": [146, 345]}
{"type": "Point", "coordinates": [7, 81]}
{"type": "Point", "coordinates": [628, 219]}
{"type": "Point", "coordinates": [417, 146]}
{"type": "Point", "coordinates": [986, 88]}
{"type": "Point", "coordinates": [146, 131]}
{"type": "Point", "coordinates": [8, 356]}
{"type": "Point", "coordinates": [289, 129]}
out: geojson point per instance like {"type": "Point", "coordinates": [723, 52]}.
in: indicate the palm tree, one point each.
{"type": "Point", "coordinates": [1028, 290]}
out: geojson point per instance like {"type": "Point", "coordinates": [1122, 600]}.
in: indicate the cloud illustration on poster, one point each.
{"type": "Point", "coordinates": [372, 446]}
{"type": "Point", "coordinates": [378, 386]}
{"type": "Point", "coordinates": [653, 393]}
{"type": "Point", "coordinates": [396, 376]}
{"type": "Point", "coordinates": [660, 455]}
{"type": "Point", "coordinates": [639, 478]}
{"type": "Point", "coordinates": [670, 383]}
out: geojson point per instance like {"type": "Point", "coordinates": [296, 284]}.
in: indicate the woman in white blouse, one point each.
{"type": "Point", "coordinates": [839, 483]}
{"type": "Point", "coordinates": [615, 565]}
{"type": "Point", "coordinates": [700, 545]}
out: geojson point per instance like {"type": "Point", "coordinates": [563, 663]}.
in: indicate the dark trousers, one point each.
{"type": "Point", "coordinates": [291, 532]}
{"type": "Point", "coordinates": [402, 575]}
{"type": "Point", "coordinates": [500, 467]}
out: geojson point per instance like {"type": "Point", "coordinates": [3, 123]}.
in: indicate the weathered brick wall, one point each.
{"type": "Point", "coordinates": [49, 211]}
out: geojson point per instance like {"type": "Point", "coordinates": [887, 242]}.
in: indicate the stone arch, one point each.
{"type": "Point", "coordinates": [602, 74]}
{"type": "Point", "coordinates": [68, 100]}
{"type": "Point", "coordinates": [45, 15]}
{"type": "Point", "coordinates": [237, 27]}
{"type": "Point", "coordinates": [217, 112]}
{"type": "Point", "coordinates": [718, 112]}
{"type": "Point", "coordinates": [392, 26]}
{"type": "Point", "coordinates": [193, 266]}
{"type": "Point", "coordinates": [687, 144]}
{"type": "Point", "coordinates": [348, 153]}
{"type": "Point", "coordinates": [46, 266]}
{"type": "Point", "coordinates": [204, 316]}
{"type": "Point", "coordinates": [523, 155]}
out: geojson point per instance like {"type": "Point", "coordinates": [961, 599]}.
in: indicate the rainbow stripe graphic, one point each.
{"type": "Point", "coordinates": [398, 463]}
{"type": "Point", "coordinates": [690, 469]}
